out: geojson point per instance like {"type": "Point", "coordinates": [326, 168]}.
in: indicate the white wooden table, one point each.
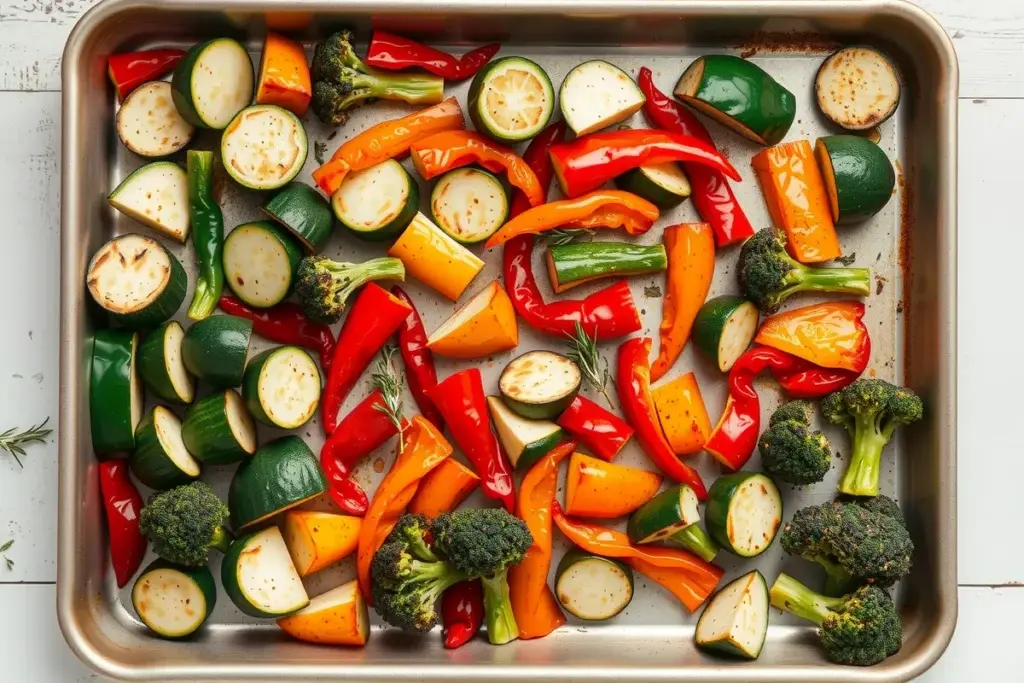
{"type": "Point", "coordinates": [989, 37]}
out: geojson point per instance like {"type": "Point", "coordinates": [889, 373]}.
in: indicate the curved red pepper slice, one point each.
{"type": "Point", "coordinates": [603, 433]}
{"type": "Point", "coordinates": [122, 503]}
{"type": "Point", "coordinates": [420, 372]}
{"type": "Point", "coordinates": [394, 53]}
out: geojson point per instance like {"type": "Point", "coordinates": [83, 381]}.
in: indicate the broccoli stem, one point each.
{"type": "Point", "coordinates": [352, 276]}
{"type": "Point", "coordinates": [861, 478]}
{"type": "Point", "coordinates": [838, 581]}
{"type": "Point", "coordinates": [221, 539]}
{"type": "Point", "coordinates": [411, 88]}
{"type": "Point", "coordinates": [697, 541]}
{"type": "Point", "coordinates": [841, 280]}
{"type": "Point", "coordinates": [501, 621]}
{"type": "Point", "coordinates": [790, 595]}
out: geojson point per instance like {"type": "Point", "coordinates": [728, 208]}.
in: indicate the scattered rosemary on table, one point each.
{"type": "Point", "coordinates": [14, 443]}
{"type": "Point", "coordinates": [566, 235]}
{"type": "Point", "coordinates": [389, 382]}
{"type": "Point", "coordinates": [3, 549]}
{"type": "Point", "coordinates": [583, 351]}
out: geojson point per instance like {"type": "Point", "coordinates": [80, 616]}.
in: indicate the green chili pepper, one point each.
{"type": "Point", "coordinates": [207, 234]}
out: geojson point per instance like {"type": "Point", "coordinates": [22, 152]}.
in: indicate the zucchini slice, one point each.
{"type": "Point", "coordinates": [149, 125]}
{"type": "Point", "coordinates": [213, 83]}
{"type": "Point", "coordinates": [859, 178]}
{"type": "Point", "coordinates": [378, 203]}
{"type": "Point", "coordinates": [576, 263]}
{"type": "Point", "coordinates": [539, 385]}
{"type": "Point", "coordinates": [744, 512]}
{"type": "Point", "coordinates": [115, 391]}
{"type": "Point", "coordinates": [724, 328]}
{"type": "Point", "coordinates": [672, 516]}
{"type": "Point", "coordinates": [258, 575]}
{"type": "Point", "coordinates": [174, 601]}
{"type": "Point", "coordinates": [264, 147]}
{"type": "Point", "coordinates": [260, 262]}
{"type": "Point", "coordinates": [162, 366]}
{"type": "Point", "coordinates": [214, 349]}
{"type": "Point", "coordinates": [597, 94]}
{"type": "Point", "coordinates": [305, 212]}
{"type": "Point", "coordinates": [469, 204]}
{"type": "Point", "coordinates": [156, 195]}
{"type": "Point", "coordinates": [281, 387]}
{"type": "Point", "coordinates": [592, 587]}
{"type": "Point", "coordinates": [160, 459]}
{"type": "Point", "coordinates": [525, 441]}
{"type": "Point", "coordinates": [511, 99]}
{"type": "Point", "coordinates": [218, 429]}
{"type": "Point", "coordinates": [735, 621]}
{"type": "Point", "coordinates": [664, 185]}
{"type": "Point", "coordinates": [282, 474]}
{"type": "Point", "coordinates": [857, 88]}
{"type": "Point", "coordinates": [136, 281]}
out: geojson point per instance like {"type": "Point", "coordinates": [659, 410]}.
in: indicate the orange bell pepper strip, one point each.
{"type": "Point", "coordinates": [603, 490]}
{"type": "Point", "coordinates": [534, 606]}
{"type": "Point", "coordinates": [598, 209]}
{"type": "Point", "coordinates": [442, 152]}
{"type": "Point", "coordinates": [424, 448]}
{"type": "Point", "coordinates": [830, 335]}
{"type": "Point", "coordinates": [387, 140]}
{"type": "Point", "coordinates": [690, 591]}
{"type": "Point", "coordinates": [682, 414]}
{"type": "Point", "coordinates": [284, 75]}
{"type": "Point", "coordinates": [691, 266]}
{"type": "Point", "coordinates": [444, 489]}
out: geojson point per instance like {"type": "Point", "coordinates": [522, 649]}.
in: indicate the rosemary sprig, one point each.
{"type": "Point", "coordinates": [583, 351]}
{"type": "Point", "coordinates": [3, 549]}
{"type": "Point", "coordinates": [14, 443]}
{"type": "Point", "coordinates": [566, 235]}
{"type": "Point", "coordinates": [389, 382]}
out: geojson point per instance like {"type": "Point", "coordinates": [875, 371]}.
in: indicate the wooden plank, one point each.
{"type": "Point", "coordinates": [32, 37]}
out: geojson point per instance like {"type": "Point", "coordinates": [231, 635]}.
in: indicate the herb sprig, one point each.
{"type": "Point", "coordinates": [386, 379]}
{"type": "Point", "coordinates": [584, 352]}
{"type": "Point", "coordinates": [14, 442]}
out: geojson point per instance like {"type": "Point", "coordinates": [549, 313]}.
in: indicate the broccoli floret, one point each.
{"type": "Point", "coordinates": [342, 81]}
{"type": "Point", "coordinates": [769, 275]}
{"type": "Point", "coordinates": [323, 286]}
{"type": "Point", "coordinates": [853, 544]}
{"type": "Point", "coordinates": [413, 530]}
{"type": "Point", "coordinates": [871, 410]}
{"type": "Point", "coordinates": [185, 522]}
{"type": "Point", "coordinates": [485, 543]}
{"type": "Point", "coordinates": [883, 505]}
{"type": "Point", "coordinates": [790, 450]}
{"type": "Point", "coordinates": [859, 629]}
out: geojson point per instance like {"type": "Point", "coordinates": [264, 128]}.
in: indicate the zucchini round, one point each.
{"type": "Point", "coordinates": [258, 575]}
{"type": "Point", "coordinates": [156, 195]}
{"type": "Point", "coordinates": [218, 429]}
{"type": "Point", "coordinates": [859, 178]}
{"type": "Point", "coordinates": [378, 203]}
{"type": "Point", "coordinates": [596, 95]}
{"type": "Point", "coordinates": [264, 147]}
{"type": "Point", "coordinates": [281, 387]}
{"type": "Point", "coordinates": [174, 601]}
{"type": "Point", "coordinates": [735, 621]}
{"type": "Point", "coordinates": [115, 391]}
{"type": "Point", "coordinates": [212, 83]}
{"type": "Point", "coordinates": [214, 349]}
{"type": "Point", "coordinates": [592, 587]}
{"type": "Point", "coordinates": [744, 512]}
{"type": "Point", "coordinates": [282, 474]}
{"type": "Point", "coordinates": [305, 212]}
{"type": "Point", "coordinates": [724, 328]}
{"type": "Point", "coordinates": [149, 125]}
{"type": "Point", "coordinates": [161, 364]}
{"type": "Point", "coordinates": [160, 459]}
{"type": "Point", "coordinates": [511, 99]}
{"type": "Point", "coordinates": [469, 204]}
{"type": "Point", "coordinates": [857, 88]}
{"type": "Point", "coordinates": [664, 185]}
{"type": "Point", "coordinates": [136, 281]}
{"type": "Point", "coordinates": [260, 262]}
{"type": "Point", "coordinates": [539, 385]}
{"type": "Point", "coordinates": [525, 441]}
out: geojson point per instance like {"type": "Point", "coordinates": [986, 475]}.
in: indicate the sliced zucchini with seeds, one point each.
{"type": "Point", "coordinates": [511, 99]}
{"type": "Point", "coordinates": [156, 195]}
{"type": "Point", "coordinates": [596, 95]}
{"type": "Point", "coordinates": [857, 88]}
{"type": "Point", "coordinates": [149, 125]}
{"type": "Point", "coordinates": [744, 512]}
{"type": "Point", "coordinates": [213, 83]}
{"type": "Point", "coordinates": [218, 429]}
{"type": "Point", "coordinates": [592, 587]}
{"type": "Point", "coordinates": [735, 621]}
{"type": "Point", "coordinates": [162, 366]}
{"type": "Point", "coordinates": [160, 460]}
{"type": "Point", "coordinates": [525, 441]}
{"type": "Point", "coordinates": [260, 262]}
{"type": "Point", "coordinates": [724, 328]}
{"type": "Point", "coordinates": [469, 204]}
{"type": "Point", "coordinates": [264, 147]}
{"type": "Point", "coordinates": [174, 601]}
{"type": "Point", "coordinates": [281, 387]}
{"type": "Point", "coordinates": [378, 203]}
{"type": "Point", "coordinates": [539, 385]}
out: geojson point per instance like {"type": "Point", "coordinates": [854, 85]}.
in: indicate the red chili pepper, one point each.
{"type": "Point", "coordinates": [123, 503]}
{"type": "Point", "coordinates": [394, 53]}
{"type": "Point", "coordinates": [634, 385]}
{"type": "Point", "coordinates": [601, 432]}
{"type": "Point", "coordinates": [463, 405]}
{"type": "Point", "coordinates": [129, 70]}
{"type": "Point", "coordinates": [537, 158]}
{"type": "Point", "coordinates": [589, 162]}
{"type": "Point", "coordinates": [462, 612]}
{"type": "Point", "coordinates": [344, 490]}
{"type": "Point", "coordinates": [712, 196]}
{"type": "Point", "coordinates": [419, 361]}
{"type": "Point", "coordinates": [373, 318]}
{"type": "Point", "coordinates": [285, 324]}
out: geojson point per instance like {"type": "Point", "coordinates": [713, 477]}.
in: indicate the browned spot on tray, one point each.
{"type": "Point", "coordinates": [795, 41]}
{"type": "Point", "coordinates": [905, 258]}
{"type": "Point", "coordinates": [378, 465]}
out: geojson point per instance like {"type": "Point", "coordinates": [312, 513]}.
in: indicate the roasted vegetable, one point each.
{"type": "Point", "coordinates": [185, 523]}
{"type": "Point", "coordinates": [790, 450]}
{"type": "Point", "coordinates": [323, 286]}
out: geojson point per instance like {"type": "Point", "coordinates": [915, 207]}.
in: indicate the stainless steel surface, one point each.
{"type": "Point", "coordinates": [912, 320]}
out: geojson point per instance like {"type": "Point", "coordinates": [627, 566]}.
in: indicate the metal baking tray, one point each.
{"type": "Point", "coordinates": [911, 247]}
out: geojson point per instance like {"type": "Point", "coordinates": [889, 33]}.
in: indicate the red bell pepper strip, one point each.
{"type": "Point", "coordinates": [123, 503]}
{"type": "Point", "coordinates": [462, 613]}
{"type": "Point", "coordinates": [285, 324]}
{"type": "Point", "coordinates": [420, 373]}
{"type": "Point", "coordinates": [634, 386]}
{"type": "Point", "coordinates": [712, 196]}
{"type": "Point", "coordinates": [129, 70]}
{"type": "Point", "coordinates": [589, 162]}
{"type": "Point", "coordinates": [537, 158]}
{"type": "Point", "coordinates": [830, 335]}
{"type": "Point", "coordinates": [373, 318]}
{"type": "Point", "coordinates": [463, 405]}
{"type": "Point", "coordinates": [394, 53]}
{"type": "Point", "coordinates": [601, 432]}
{"type": "Point", "coordinates": [344, 491]}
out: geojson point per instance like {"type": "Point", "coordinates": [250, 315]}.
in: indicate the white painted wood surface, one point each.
{"type": "Point", "coordinates": [989, 36]}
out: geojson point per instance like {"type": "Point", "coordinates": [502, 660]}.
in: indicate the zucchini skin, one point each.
{"type": "Point", "coordinates": [110, 393]}
{"type": "Point", "coordinates": [863, 178]}
{"type": "Point", "coordinates": [163, 306]}
{"type": "Point", "coordinates": [639, 184]}
{"type": "Point", "coordinates": [201, 576]}
{"type": "Point", "coordinates": [153, 367]}
{"type": "Point", "coordinates": [716, 511]}
{"type": "Point", "coordinates": [207, 432]}
{"type": "Point", "coordinates": [150, 463]}
{"type": "Point", "coordinates": [574, 555]}
{"type": "Point", "coordinates": [439, 218]}
{"type": "Point", "coordinates": [281, 474]}
{"type": "Point", "coordinates": [578, 262]}
{"type": "Point", "coordinates": [214, 349]}
{"type": "Point", "coordinates": [229, 580]}
{"type": "Point", "coordinates": [656, 515]}
{"type": "Point", "coordinates": [181, 83]}
{"type": "Point", "coordinates": [726, 647]}
{"type": "Point", "coordinates": [710, 324]}
{"type": "Point", "coordinates": [304, 212]}
{"type": "Point", "coordinates": [475, 104]}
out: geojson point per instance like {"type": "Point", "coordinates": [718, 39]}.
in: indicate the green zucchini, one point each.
{"type": "Point", "coordinates": [525, 441]}
{"type": "Point", "coordinates": [592, 587]}
{"type": "Point", "coordinates": [743, 512]}
{"type": "Point", "coordinates": [664, 185]}
{"type": "Point", "coordinates": [859, 178]}
{"type": "Point", "coordinates": [174, 601]}
{"type": "Point", "coordinates": [469, 204]}
{"type": "Point", "coordinates": [740, 95]}
{"type": "Point", "coordinates": [214, 349]}
{"type": "Point", "coordinates": [115, 391]}
{"type": "Point", "coordinates": [213, 83]}
{"type": "Point", "coordinates": [573, 264]}
{"type": "Point", "coordinates": [161, 364]}
{"type": "Point", "coordinates": [857, 87]}
{"type": "Point", "coordinates": [735, 621]}
{"type": "Point", "coordinates": [378, 203]}
{"type": "Point", "coordinates": [305, 212]}
{"type": "Point", "coordinates": [258, 575]}
{"type": "Point", "coordinates": [264, 147]}
{"type": "Point", "coordinates": [218, 430]}
{"type": "Point", "coordinates": [149, 125]}
{"type": "Point", "coordinates": [724, 328]}
{"type": "Point", "coordinates": [511, 99]}
{"type": "Point", "coordinates": [281, 387]}
{"type": "Point", "coordinates": [596, 95]}
{"type": "Point", "coordinates": [539, 385]}
{"type": "Point", "coordinates": [282, 474]}
{"type": "Point", "coordinates": [136, 281]}
{"type": "Point", "coordinates": [672, 516]}
{"type": "Point", "coordinates": [156, 195]}
{"type": "Point", "coordinates": [260, 263]}
{"type": "Point", "coordinates": [160, 459]}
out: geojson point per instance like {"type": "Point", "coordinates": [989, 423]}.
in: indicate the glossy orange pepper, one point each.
{"type": "Point", "coordinates": [602, 490]}
{"type": "Point", "coordinates": [284, 75]}
{"type": "Point", "coordinates": [690, 591]}
{"type": "Point", "coordinates": [830, 335]}
{"type": "Point", "coordinates": [684, 419]}
{"type": "Point", "coordinates": [598, 209]}
{"type": "Point", "coordinates": [444, 489]}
